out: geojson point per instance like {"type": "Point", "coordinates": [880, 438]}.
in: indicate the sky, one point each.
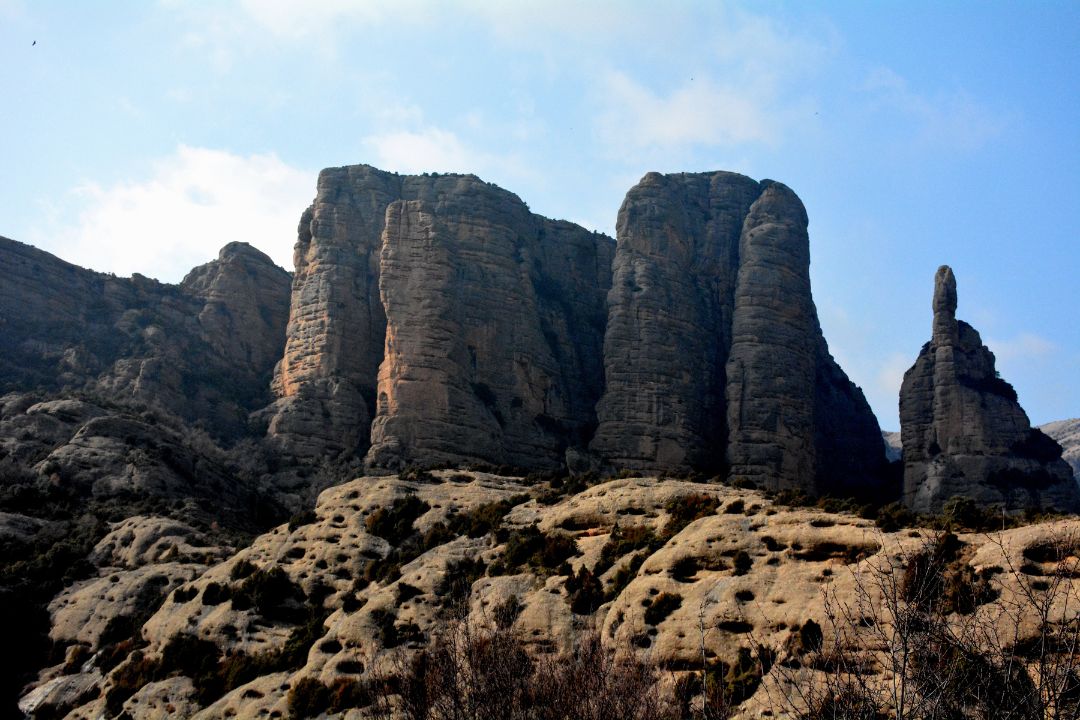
{"type": "Point", "coordinates": [141, 136]}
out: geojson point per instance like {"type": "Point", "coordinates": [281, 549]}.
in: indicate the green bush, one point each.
{"type": "Point", "coordinates": [539, 551]}
{"type": "Point", "coordinates": [742, 562]}
{"type": "Point", "coordinates": [586, 592]}
{"type": "Point", "coordinates": [395, 523]}
{"type": "Point", "coordinates": [686, 509]}
{"type": "Point", "coordinates": [624, 540]}
{"type": "Point", "coordinates": [662, 605]}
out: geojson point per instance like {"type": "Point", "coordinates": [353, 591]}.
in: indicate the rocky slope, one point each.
{"type": "Point", "coordinates": [379, 567]}
{"type": "Point", "coordinates": [202, 350]}
{"type": "Point", "coordinates": [1066, 433]}
{"type": "Point", "coordinates": [963, 431]}
{"type": "Point", "coordinates": [710, 297]}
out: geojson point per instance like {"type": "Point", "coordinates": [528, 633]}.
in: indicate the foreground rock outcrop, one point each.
{"type": "Point", "coordinates": [713, 354]}
{"type": "Point", "coordinates": [963, 431]}
{"type": "Point", "coordinates": [662, 569]}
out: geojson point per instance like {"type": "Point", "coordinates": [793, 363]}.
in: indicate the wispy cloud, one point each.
{"type": "Point", "coordinates": [699, 111]}
{"type": "Point", "coordinates": [1022, 347]}
{"type": "Point", "coordinates": [746, 90]}
{"type": "Point", "coordinates": [195, 201]}
{"type": "Point", "coordinates": [436, 149]}
{"type": "Point", "coordinates": [952, 119]}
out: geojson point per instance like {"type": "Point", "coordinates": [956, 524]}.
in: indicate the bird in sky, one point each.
{"type": "Point", "coordinates": [33, 43]}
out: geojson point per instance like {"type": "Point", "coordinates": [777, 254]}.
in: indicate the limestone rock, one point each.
{"type": "Point", "coordinates": [669, 320]}
{"type": "Point", "coordinates": [713, 352]}
{"type": "Point", "coordinates": [894, 448]}
{"type": "Point", "coordinates": [87, 610]}
{"type": "Point", "coordinates": [246, 306]}
{"type": "Point", "coordinates": [494, 326]}
{"type": "Point", "coordinates": [145, 540]}
{"type": "Point", "coordinates": [963, 431]}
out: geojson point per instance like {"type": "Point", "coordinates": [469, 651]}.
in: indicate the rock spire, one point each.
{"type": "Point", "coordinates": [963, 431]}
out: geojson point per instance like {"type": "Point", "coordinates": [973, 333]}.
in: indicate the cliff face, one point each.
{"type": "Point", "coordinates": [495, 318]}
{"type": "Point", "coordinates": [963, 431]}
{"type": "Point", "coordinates": [713, 350]}
{"type": "Point", "coordinates": [202, 350]}
{"type": "Point", "coordinates": [496, 322]}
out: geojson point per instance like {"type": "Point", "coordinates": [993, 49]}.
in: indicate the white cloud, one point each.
{"type": "Point", "coordinates": [428, 150]}
{"type": "Point", "coordinates": [434, 149]}
{"type": "Point", "coordinates": [743, 87]}
{"type": "Point", "coordinates": [195, 202]}
{"type": "Point", "coordinates": [1023, 347]}
{"type": "Point", "coordinates": [951, 119]}
{"type": "Point", "coordinates": [698, 112]}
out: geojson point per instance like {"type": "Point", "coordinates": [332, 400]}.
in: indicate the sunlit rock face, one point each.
{"type": "Point", "coordinates": [438, 306]}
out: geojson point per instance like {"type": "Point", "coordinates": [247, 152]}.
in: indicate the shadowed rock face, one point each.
{"type": "Point", "coordinates": [963, 431]}
{"type": "Point", "coordinates": [713, 352]}
{"type": "Point", "coordinates": [203, 350]}
{"type": "Point", "coordinates": [495, 319]}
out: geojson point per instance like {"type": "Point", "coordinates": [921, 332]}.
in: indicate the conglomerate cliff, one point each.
{"type": "Point", "coordinates": [713, 353]}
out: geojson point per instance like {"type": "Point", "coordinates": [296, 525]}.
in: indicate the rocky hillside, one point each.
{"type": "Point", "coordinates": [1067, 434]}
{"type": "Point", "coordinates": [530, 443]}
{"type": "Point", "coordinates": [660, 568]}
{"type": "Point", "coordinates": [202, 350]}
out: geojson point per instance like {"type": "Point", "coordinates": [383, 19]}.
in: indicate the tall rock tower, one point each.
{"type": "Point", "coordinates": [713, 355]}
{"type": "Point", "coordinates": [963, 431]}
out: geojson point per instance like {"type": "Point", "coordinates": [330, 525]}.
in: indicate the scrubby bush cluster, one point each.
{"type": "Point", "coordinates": [928, 637]}
{"type": "Point", "coordinates": [468, 672]}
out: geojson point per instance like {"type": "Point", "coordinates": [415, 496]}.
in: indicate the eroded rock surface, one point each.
{"type": "Point", "coordinates": [1066, 433]}
{"type": "Point", "coordinates": [963, 431]}
{"type": "Point", "coordinates": [713, 353]}
{"type": "Point", "coordinates": [202, 350]}
{"type": "Point", "coordinates": [498, 312]}
{"type": "Point", "coordinates": [495, 321]}
{"type": "Point", "coordinates": [737, 575]}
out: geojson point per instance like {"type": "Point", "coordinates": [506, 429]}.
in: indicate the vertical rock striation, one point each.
{"type": "Point", "coordinates": [495, 319]}
{"type": "Point", "coordinates": [669, 321]}
{"type": "Point", "coordinates": [963, 431]}
{"type": "Point", "coordinates": [713, 352]}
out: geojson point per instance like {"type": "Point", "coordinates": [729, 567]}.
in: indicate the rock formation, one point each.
{"type": "Point", "coordinates": [713, 352]}
{"type": "Point", "coordinates": [963, 431]}
{"type": "Point", "coordinates": [496, 324]}
{"type": "Point", "coordinates": [495, 320]}
{"type": "Point", "coordinates": [749, 571]}
{"type": "Point", "coordinates": [1066, 433]}
{"type": "Point", "coordinates": [202, 350]}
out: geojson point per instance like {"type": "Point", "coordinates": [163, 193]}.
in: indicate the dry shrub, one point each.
{"type": "Point", "coordinates": [489, 674]}
{"type": "Point", "coordinates": [927, 637]}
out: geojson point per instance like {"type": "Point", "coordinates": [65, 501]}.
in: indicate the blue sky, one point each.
{"type": "Point", "coordinates": [142, 136]}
